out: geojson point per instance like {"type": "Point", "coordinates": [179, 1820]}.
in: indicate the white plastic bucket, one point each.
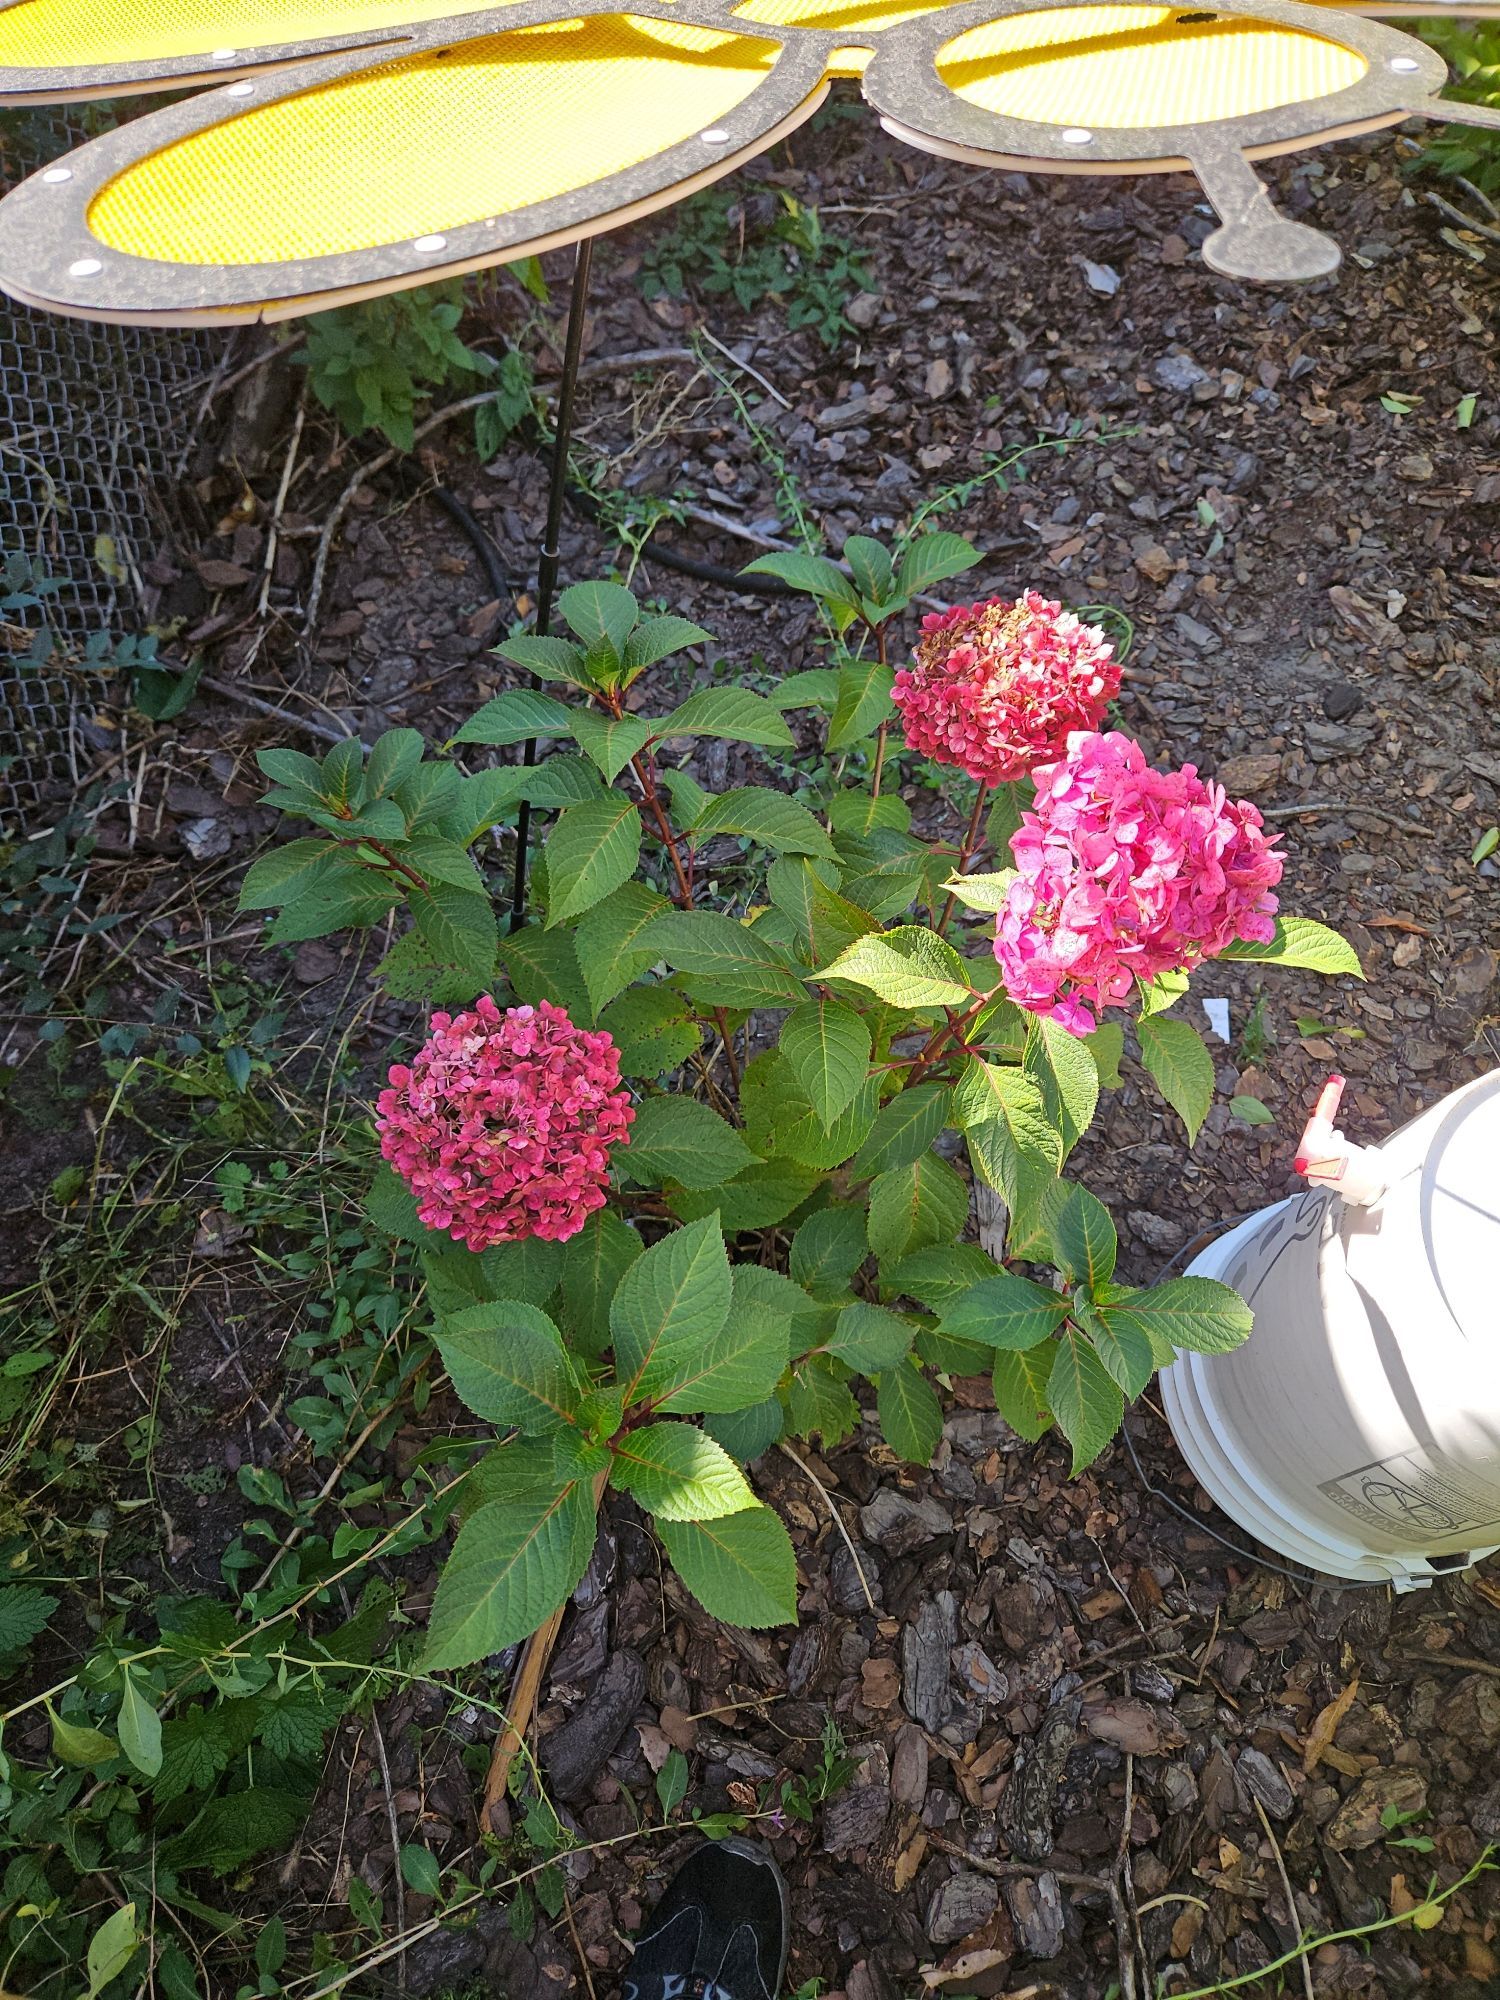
{"type": "Point", "coordinates": [1357, 1431]}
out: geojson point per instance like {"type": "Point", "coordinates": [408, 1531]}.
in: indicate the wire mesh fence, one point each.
{"type": "Point", "coordinates": [92, 423]}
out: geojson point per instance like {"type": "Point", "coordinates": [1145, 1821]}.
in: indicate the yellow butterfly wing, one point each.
{"type": "Point", "coordinates": [369, 171]}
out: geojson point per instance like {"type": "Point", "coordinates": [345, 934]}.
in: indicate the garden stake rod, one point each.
{"type": "Point", "coordinates": [546, 575]}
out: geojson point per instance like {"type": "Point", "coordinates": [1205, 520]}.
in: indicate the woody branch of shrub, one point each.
{"type": "Point", "coordinates": [637, 1289]}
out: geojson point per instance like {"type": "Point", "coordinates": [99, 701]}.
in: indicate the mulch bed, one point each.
{"type": "Point", "coordinates": [1086, 1731]}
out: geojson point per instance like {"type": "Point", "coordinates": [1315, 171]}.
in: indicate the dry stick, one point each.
{"type": "Point", "coordinates": [390, 1813]}
{"type": "Point", "coordinates": [859, 1568]}
{"type": "Point", "coordinates": [1351, 806]}
{"type": "Point", "coordinates": [528, 1685]}
{"type": "Point", "coordinates": [745, 369]}
{"type": "Point", "coordinates": [321, 730]}
{"type": "Point", "coordinates": [1286, 1886]}
{"type": "Point", "coordinates": [588, 1971]}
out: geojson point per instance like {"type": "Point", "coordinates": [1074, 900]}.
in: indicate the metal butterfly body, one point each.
{"type": "Point", "coordinates": [353, 149]}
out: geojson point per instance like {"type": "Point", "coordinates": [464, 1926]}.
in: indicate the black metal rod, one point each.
{"type": "Point", "coordinates": [546, 574]}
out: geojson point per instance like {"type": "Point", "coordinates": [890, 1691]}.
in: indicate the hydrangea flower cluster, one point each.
{"type": "Point", "coordinates": [996, 688]}
{"type": "Point", "coordinates": [502, 1126]}
{"type": "Point", "coordinates": [1124, 873]}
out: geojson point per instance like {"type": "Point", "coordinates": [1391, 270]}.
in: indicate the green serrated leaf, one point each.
{"type": "Point", "coordinates": [653, 1031]}
{"type": "Point", "coordinates": [780, 1121]}
{"type": "Point", "coordinates": [610, 741]}
{"type": "Point", "coordinates": [937, 1277]}
{"type": "Point", "coordinates": [1301, 942]}
{"type": "Point", "coordinates": [608, 938]}
{"type": "Point", "coordinates": [457, 928]}
{"type": "Point", "coordinates": [828, 1047]}
{"type": "Point", "coordinates": [828, 1249]}
{"type": "Point", "coordinates": [727, 964]}
{"type": "Point", "coordinates": [824, 920]}
{"type": "Point", "coordinates": [738, 1366]}
{"type": "Point", "coordinates": [518, 716]}
{"type": "Point", "coordinates": [656, 638]}
{"type": "Point", "coordinates": [1063, 1065]}
{"type": "Point", "coordinates": [863, 703]}
{"type": "Point", "coordinates": [986, 892]}
{"type": "Point", "coordinates": [816, 575]}
{"type": "Point", "coordinates": [549, 658]}
{"type": "Point", "coordinates": [903, 1131]}
{"type": "Point", "coordinates": [678, 1474]}
{"type": "Point", "coordinates": [1083, 1237]}
{"type": "Point", "coordinates": [292, 870]}
{"type": "Point", "coordinates": [680, 1139]}
{"type": "Point", "coordinates": [818, 1401]}
{"type": "Point", "coordinates": [513, 1563]}
{"type": "Point", "coordinates": [758, 1197]}
{"type": "Point", "coordinates": [768, 817]}
{"type": "Point", "coordinates": [601, 615]}
{"type": "Point", "coordinates": [870, 1339]}
{"type": "Point", "coordinates": [507, 1362]}
{"type": "Point", "coordinates": [911, 1417]}
{"type": "Point", "coordinates": [24, 1611]}
{"type": "Point", "coordinates": [931, 558]}
{"type": "Point", "coordinates": [1002, 1112]}
{"type": "Point", "coordinates": [1084, 1398]}
{"type": "Point", "coordinates": [1005, 1311]}
{"type": "Point", "coordinates": [543, 965]}
{"type": "Point", "coordinates": [1020, 1386]}
{"type": "Point", "coordinates": [1121, 1345]}
{"type": "Point", "coordinates": [1199, 1314]}
{"type": "Point", "coordinates": [733, 714]}
{"type": "Point", "coordinates": [1174, 1053]}
{"type": "Point", "coordinates": [871, 568]}
{"type": "Point", "coordinates": [912, 1206]}
{"type": "Point", "coordinates": [678, 1290]}
{"type": "Point", "coordinates": [741, 1569]}
{"type": "Point", "coordinates": [907, 967]}
{"type": "Point", "coordinates": [597, 1259]}
{"type": "Point", "coordinates": [747, 1434]}
{"type": "Point", "coordinates": [590, 851]}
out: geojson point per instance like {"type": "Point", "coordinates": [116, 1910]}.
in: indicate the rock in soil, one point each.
{"type": "Point", "coordinates": [1357, 1823]}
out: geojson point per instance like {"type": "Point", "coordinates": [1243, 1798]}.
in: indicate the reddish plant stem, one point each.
{"type": "Point", "coordinates": [965, 855]}
{"type": "Point", "coordinates": [951, 1029]}
{"type": "Point", "coordinates": [392, 861]}
{"type": "Point", "coordinates": [880, 734]}
{"type": "Point", "coordinates": [644, 766]}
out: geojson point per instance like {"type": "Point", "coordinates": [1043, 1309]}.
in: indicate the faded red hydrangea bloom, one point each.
{"type": "Point", "coordinates": [502, 1126]}
{"type": "Point", "coordinates": [1123, 873]}
{"type": "Point", "coordinates": [996, 688]}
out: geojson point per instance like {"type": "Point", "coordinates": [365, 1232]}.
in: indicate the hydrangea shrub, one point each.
{"type": "Point", "coordinates": [695, 1156]}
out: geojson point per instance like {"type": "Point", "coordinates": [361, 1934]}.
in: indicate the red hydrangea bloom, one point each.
{"type": "Point", "coordinates": [996, 688]}
{"type": "Point", "coordinates": [1124, 873]}
{"type": "Point", "coordinates": [502, 1127]}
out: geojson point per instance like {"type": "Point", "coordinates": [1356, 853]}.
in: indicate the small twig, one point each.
{"type": "Point", "coordinates": [1349, 806]}
{"type": "Point", "coordinates": [859, 1568]}
{"type": "Point", "coordinates": [1286, 1888]}
{"type": "Point", "coordinates": [745, 368]}
{"type": "Point", "coordinates": [278, 506]}
{"type": "Point", "coordinates": [588, 1971]}
{"type": "Point", "coordinates": [390, 1814]}
{"type": "Point", "coordinates": [1465, 1660]}
{"type": "Point", "coordinates": [322, 730]}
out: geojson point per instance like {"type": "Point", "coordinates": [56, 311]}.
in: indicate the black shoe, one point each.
{"type": "Point", "coordinates": [719, 1932]}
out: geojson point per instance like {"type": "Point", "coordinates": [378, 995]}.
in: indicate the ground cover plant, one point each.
{"type": "Point", "coordinates": [808, 1043]}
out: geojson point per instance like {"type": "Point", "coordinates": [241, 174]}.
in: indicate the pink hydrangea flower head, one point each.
{"type": "Point", "coordinates": [1124, 872]}
{"type": "Point", "coordinates": [503, 1124]}
{"type": "Point", "coordinates": [996, 688]}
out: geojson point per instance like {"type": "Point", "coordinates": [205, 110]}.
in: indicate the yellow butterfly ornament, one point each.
{"type": "Point", "coordinates": [349, 147]}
